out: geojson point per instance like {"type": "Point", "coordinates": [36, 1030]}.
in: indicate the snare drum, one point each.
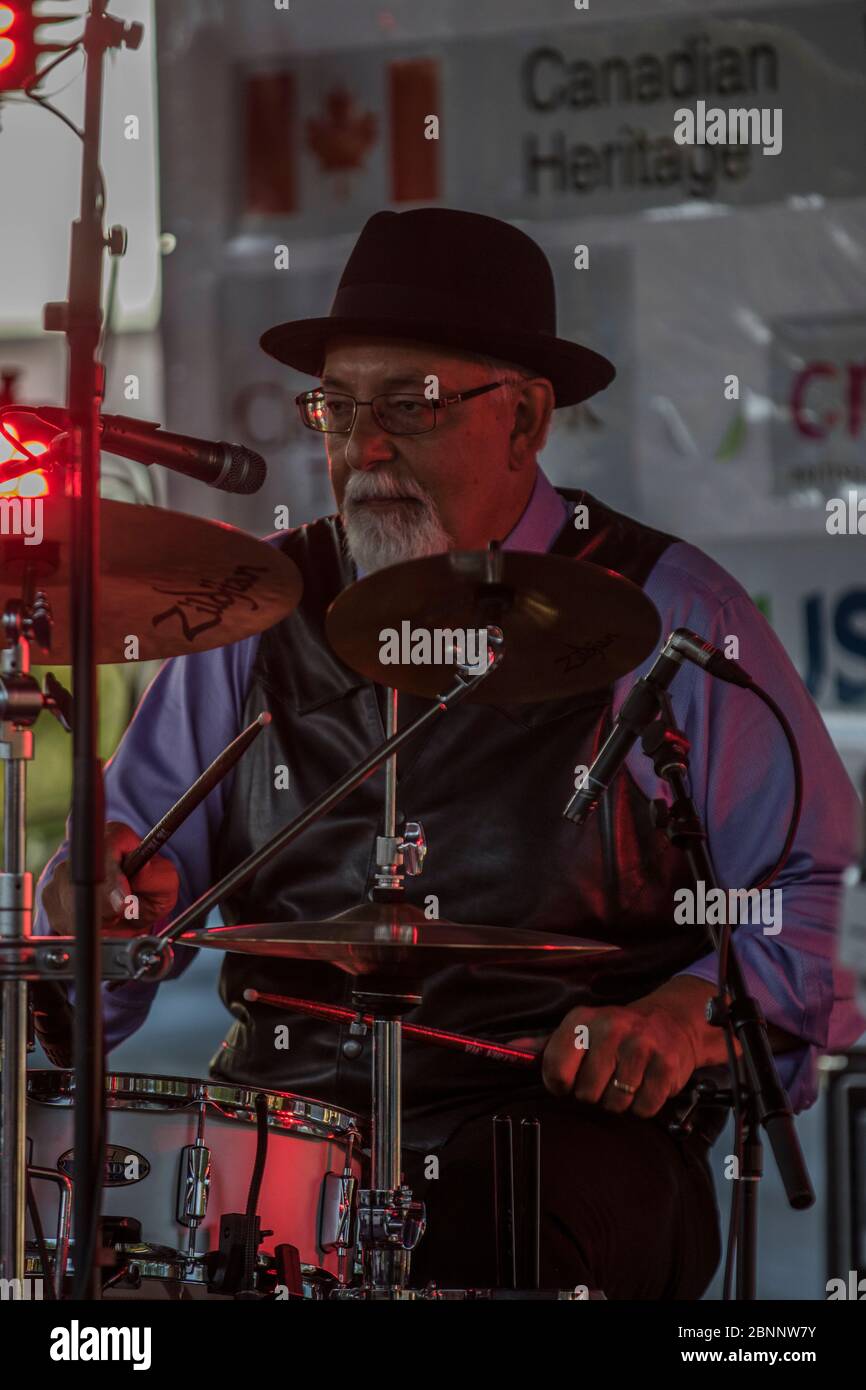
{"type": "Point", "coordinates": [180, 1154]}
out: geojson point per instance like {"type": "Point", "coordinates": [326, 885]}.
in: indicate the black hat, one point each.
{"type": "Point", "coordinates": [453, 278]}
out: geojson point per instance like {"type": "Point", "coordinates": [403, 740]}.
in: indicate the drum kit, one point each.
{"type": "Point", "coordinates": [199, 1174]}
{"type": "Point", "coordinates": [186, 1188]}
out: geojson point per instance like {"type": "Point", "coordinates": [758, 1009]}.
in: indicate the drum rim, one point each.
{"type": "Point", "coordinates": [159, 1092]}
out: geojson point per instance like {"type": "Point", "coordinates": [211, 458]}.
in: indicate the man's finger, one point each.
{"type": "Point", "coordinates": [632, 1059]}
{"type": "Point", "coordinates": [566, 1052]}
{"type": "Point", "coordinates": [655, 1089]}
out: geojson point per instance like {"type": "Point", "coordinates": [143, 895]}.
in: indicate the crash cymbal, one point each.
{"type": "Point", "coordinates": [177, 583]}
{"type": "Point", "coordinates": [385, 938]}
{"type": "Point", "coordinates": [569, 625]}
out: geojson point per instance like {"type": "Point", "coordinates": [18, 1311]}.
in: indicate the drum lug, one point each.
{"type": "Point", "coordinates": [193, 1184]}
{"type": "Point", "coordinates": [338, 1212]}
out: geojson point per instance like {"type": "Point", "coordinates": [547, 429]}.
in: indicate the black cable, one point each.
{"type": "Point", "coordinates": [251, 1244]}
{"type": "Point", "coordinates": [46, 105]}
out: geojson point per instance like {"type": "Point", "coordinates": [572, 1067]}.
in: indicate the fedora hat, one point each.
{"type": "Point", "coordinates": [456, 279]}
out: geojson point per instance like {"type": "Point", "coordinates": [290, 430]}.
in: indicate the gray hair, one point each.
{"type": "Point", "coordinates": [510, 373]}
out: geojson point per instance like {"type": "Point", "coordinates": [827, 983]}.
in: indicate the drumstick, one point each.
{"type": "Point", "coordinates": [334, 1013]}
{"type": "Point", "coordinates": [153, 841]}
{"type": "Point", "coordinates": [134, 862]}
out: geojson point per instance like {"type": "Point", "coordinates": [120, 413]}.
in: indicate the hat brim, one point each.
{"type": "Point", "coordinates": [575, 372]}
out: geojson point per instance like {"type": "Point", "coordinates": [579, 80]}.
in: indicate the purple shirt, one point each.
{"type": "Point", "coordinates": [741, 781]}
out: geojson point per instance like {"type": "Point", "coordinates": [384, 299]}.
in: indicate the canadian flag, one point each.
{"type": "Point", "coordinates": [340, 135]}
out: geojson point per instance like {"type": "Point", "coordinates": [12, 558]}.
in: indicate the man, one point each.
{"type": "Point", "coordinates": [465, 305]}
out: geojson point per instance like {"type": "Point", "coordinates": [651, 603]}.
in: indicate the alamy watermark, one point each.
{"type": "Point", "coordinates": [22, 516]}
{"type": "Point", "coordinates": [715, 907]}
{"type": "Point", "coordinates": [438, 646]}
{"type": "Point", "coordinates": [738, 126]}
{"type": "Point", "coordinates": [846, 516]}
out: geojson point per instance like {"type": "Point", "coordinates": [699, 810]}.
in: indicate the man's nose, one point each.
{"type": "Point", "coordinates": [368, 445]}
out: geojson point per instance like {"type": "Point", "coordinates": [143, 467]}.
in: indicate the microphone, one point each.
{"type": "Point", "coordinates": [229, 467]}
{"type": "Point", "coordinates": [704, 654]}
{"type": "Point", "coordinates": [640, 708]}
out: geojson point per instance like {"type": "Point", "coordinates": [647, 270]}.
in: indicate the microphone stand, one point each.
{"type": "Point", "coordinates": [80, 319]}
{"type": "Point", "coordinates": [764, 1099]}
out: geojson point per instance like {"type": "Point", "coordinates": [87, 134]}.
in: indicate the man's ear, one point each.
{"type": "Point", "coordinates": [533, 408]}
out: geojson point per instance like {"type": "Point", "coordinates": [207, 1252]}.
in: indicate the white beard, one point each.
{"type": "Point", "coordinates": [376, 539]}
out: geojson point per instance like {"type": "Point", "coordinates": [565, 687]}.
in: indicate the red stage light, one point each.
{"type": "Point", "coordinates": [32, 484]}
{"type": "Point", "coordinates": [18, 47]}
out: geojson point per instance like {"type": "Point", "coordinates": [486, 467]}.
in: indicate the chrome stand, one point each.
{"type": "Point", "coordinates": [390, 1222]}
{"type": "Point", "coordinates": [21, 702]}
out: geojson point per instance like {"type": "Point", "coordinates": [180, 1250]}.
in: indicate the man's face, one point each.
{"type": "Point", "coordinates": [457, 486]}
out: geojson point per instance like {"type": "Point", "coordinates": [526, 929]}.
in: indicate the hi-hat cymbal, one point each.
{"type": "Point", "coordinates": [177, 583]}
{"type": "Point", "coordinates": [396, 939]}
{"type": "Point", "coordinates": [569, 625]}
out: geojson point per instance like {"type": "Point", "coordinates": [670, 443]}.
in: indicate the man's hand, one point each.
{"type": "Point", "coordinates": [155, 891]}
{"type": "Point", "coordinates": [653, 1044]}
{"type": "Point", "coordinates": [640, 1044]}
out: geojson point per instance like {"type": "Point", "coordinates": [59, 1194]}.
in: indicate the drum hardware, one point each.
{"type": "Point", "coordinates": [557, 647]}
{"type": "Point", "coordinates": [529, 1205]}
{"type": "Point", "coordinates": [514, 1295]}
{"type": "Point", "coordinates": [365, 939]}
{"type": "Point", "coordinates": [503, 1203]}
{"type": "Point", "coordinates": [150, 1236]}
{"type": "Point", "coordinates": [21, 703]}
{"type": "Point", "coordinates": [701, 1090]}
{"type": "Point", "coordinates": [64, 1217]}
{"type": "Point", "coordinates": [193, 1185]}
{"type": "Point", "coordinates": [517, 1204]}
{"type": "Point", "coordinates": [352, 1046]}
{"type": "Point", "coordinates": [338, 1224]}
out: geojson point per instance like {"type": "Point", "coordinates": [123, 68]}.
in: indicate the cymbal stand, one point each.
{"type": "Point", "coordinates": [391, 1223]}
{"type": "Point", "coordinates": [21, 703]}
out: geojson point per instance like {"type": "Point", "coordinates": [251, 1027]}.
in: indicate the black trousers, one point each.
{"type": "Point", "coordinates": [625, 1207]}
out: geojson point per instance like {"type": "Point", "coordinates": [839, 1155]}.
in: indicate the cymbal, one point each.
{"type": "Point", "coordinates": [396, 939]}
{"type": "Point", "coordinates": [569, 625]}
{"type": "Point", "coordinates": [177, 583]}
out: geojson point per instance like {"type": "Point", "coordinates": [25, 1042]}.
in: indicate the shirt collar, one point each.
{"type": "Point", "coordinates": [542, 519]}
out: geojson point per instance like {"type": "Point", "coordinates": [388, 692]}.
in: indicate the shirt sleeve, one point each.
{"type": "Point", "coordinates": [192, 708]}
{"type": "Point", "coordinates": [743, 785]}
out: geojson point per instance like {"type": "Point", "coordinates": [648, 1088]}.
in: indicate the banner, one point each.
{"type": "Point", "coordinates": [577, 119]}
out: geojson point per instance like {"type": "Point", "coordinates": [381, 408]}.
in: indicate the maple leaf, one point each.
{"type": "Point", "coordinates": [342, 137]}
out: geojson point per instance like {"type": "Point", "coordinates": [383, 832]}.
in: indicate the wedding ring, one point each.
{"type": "Point", "coordinates": [623, 1086]}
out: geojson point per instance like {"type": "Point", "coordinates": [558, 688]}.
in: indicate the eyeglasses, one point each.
{"type": "Point", "coordinates": [331, 412]}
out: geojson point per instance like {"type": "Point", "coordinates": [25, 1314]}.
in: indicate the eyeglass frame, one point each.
{"type": "Point", "coordinates": [436, 402]}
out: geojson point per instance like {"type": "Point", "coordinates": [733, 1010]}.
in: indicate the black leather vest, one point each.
{"type": "Point", "coordinates": [489, 785]}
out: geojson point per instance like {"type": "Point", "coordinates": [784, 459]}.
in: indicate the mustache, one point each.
{"type": "Point", "coordinates": [362, 487]}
